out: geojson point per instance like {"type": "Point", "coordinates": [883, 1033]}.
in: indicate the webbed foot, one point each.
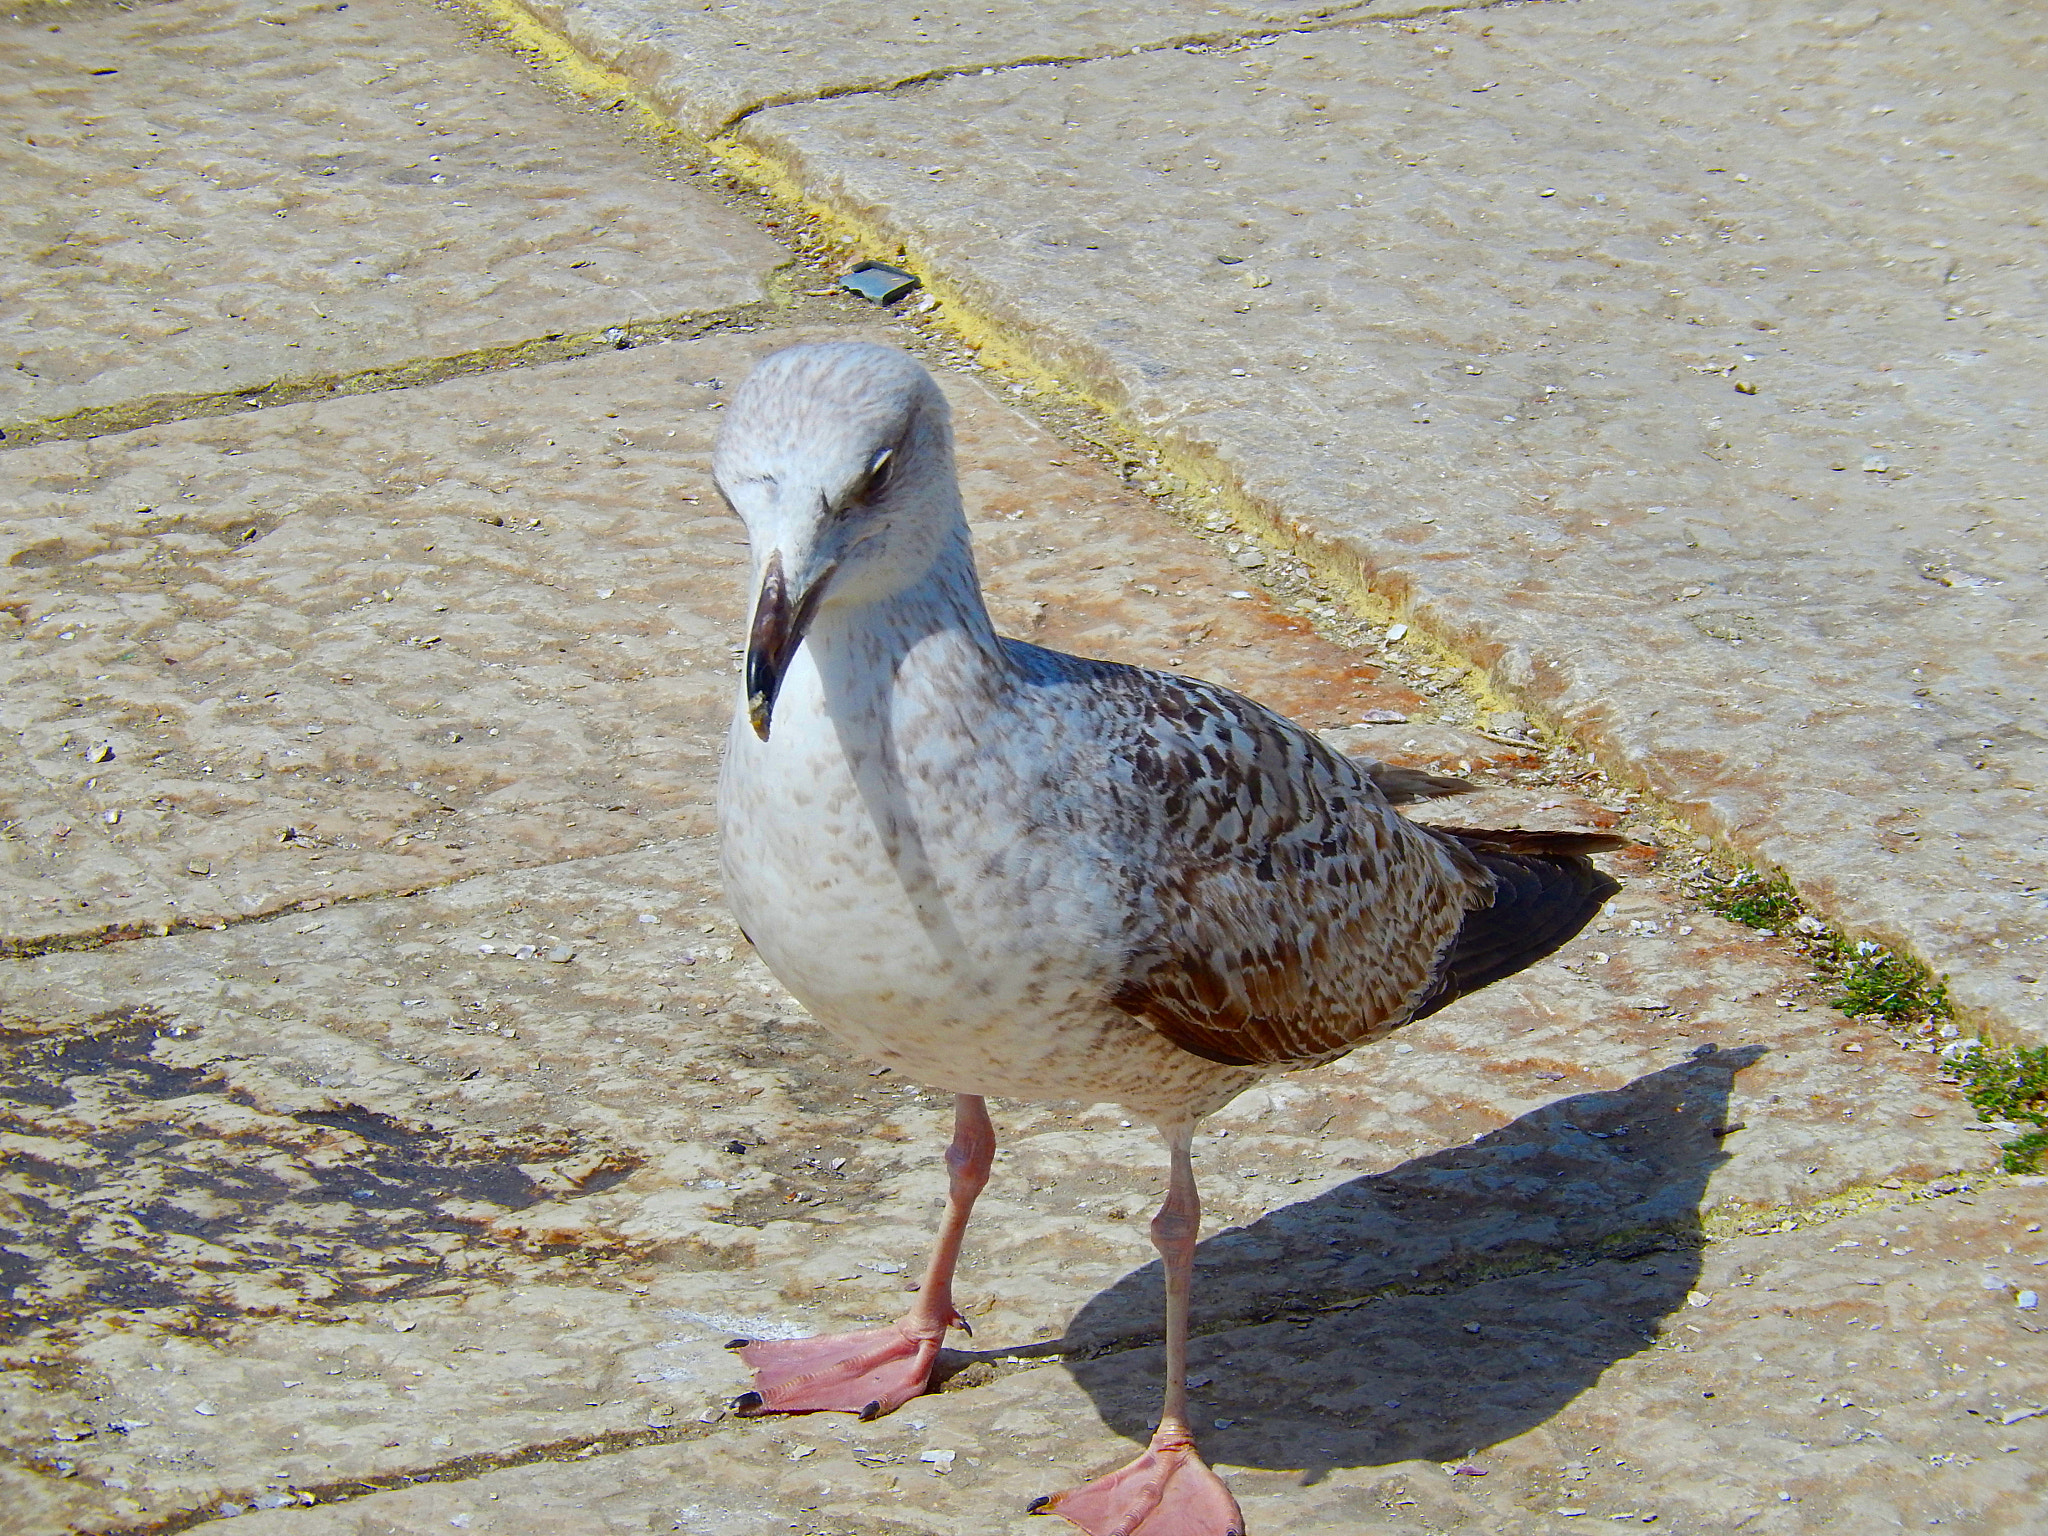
{"type": "Point", "coordinates": [870, 1373]}
{"type": "Point", "coordinates": [1168, 1491]}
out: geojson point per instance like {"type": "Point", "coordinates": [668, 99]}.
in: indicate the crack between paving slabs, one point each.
{"type": "Point", "coordinates": [522, 26]}
{"type": "Point", "coordinates": [1191, 41]}
{"type": "Point", "coordinates": [163, 928]}
{"type": "Point", "coordinates": [456, 1470]}
{"type": "Point", "coordinates": [1616, 1247]}
{"type": "Point", "coordinates": [557, 347]}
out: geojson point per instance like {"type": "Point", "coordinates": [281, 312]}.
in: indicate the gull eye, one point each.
{"type": "Point", "coordinates": [875, 484]}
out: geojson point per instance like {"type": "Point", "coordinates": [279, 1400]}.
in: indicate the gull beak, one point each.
{"type": "Point", "coordinates": [779, 626]}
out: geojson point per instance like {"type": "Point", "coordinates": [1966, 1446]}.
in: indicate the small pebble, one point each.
{"type": "Point", "coordinates": [2027, 1301]}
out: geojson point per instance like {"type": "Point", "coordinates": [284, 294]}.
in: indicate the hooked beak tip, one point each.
{"type": "Point", "coordinates": [778, 629]}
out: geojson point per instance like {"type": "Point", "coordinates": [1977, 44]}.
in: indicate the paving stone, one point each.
{"type": "Point", "coordinates": [371, 644]}
{"type": "Point", "coordinates": [709, 66]}
{"type": "Point", "coordinates": [424, 1170]}
{"type": "Point", "coordinates": [1831, 1385]}
{"type": "Point", "coordinates": [1870, 1384]}
{"type": "Point", "coordinates": [1463, 305]}
{"type": "Point", "coordinates": [387, 1139]}
{"type": "Point", "coordinates": [477, 1205]}
{"type": "Point", "coordinates": [217, 195]}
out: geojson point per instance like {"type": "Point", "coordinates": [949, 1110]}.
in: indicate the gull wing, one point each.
{"type": "Point", "coordinates": [1281, 911]}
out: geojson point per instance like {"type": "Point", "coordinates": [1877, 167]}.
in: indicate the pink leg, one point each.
{"type": "Point", "coordinates": [1169, 1490]}
{"type": "Point", "coordinates": [878, 1370]}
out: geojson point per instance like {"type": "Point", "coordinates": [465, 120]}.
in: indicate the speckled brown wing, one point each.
{"type": "Point", "coordinates": [1281, 911]}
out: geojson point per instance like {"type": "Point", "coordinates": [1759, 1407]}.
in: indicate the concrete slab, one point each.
{"type": "Point", "coordinates": [367, 1148]}
{"type": "Point", "coordinates": [709, 66]}
{"type": "Point", "coordinates": [1674, 362]}
{"type": "Point", "coordinates": [329, 651]}
{"type": "Point", "coordinates": [333, 1206]}
{"type": "Point", "coordinates": [415, 1179]}
{"type": "Point", "coordinates": [347, 1201]}
{"type": "Point", "coordinates": [226, 195]}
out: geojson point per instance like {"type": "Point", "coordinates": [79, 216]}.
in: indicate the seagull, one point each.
{"type": "Point", "coordinates": [1005, 871]}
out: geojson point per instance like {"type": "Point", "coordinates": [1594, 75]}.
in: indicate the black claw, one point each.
{"type": "Point", "coordinates": [747, 1404]}
{"type": "Point", "coordinates": [1037, 1505]}
{"type": "Point", "coordinates": [737, 1343]}
{"type": "Point", "coordinates": [963, 1325]}
{"type": "Point", "coordinates": [872, 1412]}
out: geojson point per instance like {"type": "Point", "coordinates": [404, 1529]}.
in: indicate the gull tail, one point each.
{"type": "Point", "coordinates": [1545, 890]}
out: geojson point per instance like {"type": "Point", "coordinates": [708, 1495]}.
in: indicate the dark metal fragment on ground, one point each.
{"type": "Point", "coordinates": [879, 283]}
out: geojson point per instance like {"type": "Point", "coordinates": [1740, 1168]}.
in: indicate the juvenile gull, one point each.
{"type": "Point", "coordinates": [1003, 870]}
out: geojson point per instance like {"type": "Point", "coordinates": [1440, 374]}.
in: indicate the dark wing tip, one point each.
{"type": "Point", "coordinates": [1545, 891]}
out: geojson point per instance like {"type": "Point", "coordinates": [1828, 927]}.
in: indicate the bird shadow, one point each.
{"type": "Point", "coordinates": [1443, 1306]}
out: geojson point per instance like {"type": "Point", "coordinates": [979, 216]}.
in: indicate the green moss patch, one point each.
{"type": "Point", "coordinates": [2011, 1084]}
{"type": "Point", "coordinates": [1870, 980]}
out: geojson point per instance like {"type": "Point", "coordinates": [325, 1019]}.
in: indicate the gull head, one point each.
{"type": "Point", "coordinates": [838, 457]}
